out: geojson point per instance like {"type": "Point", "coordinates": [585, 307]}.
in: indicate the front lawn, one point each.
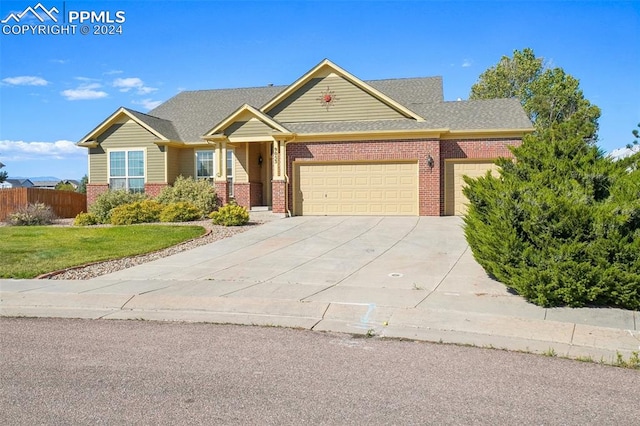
{"type": "Point", "coordinates": [29, 251]}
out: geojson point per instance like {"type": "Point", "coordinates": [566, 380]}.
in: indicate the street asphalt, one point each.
{"type": "Point", "coordinates": [398, 277]}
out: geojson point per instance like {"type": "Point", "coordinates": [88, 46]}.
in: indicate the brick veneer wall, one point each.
{"type": "Point", "coordinates": [430, 180]}
{"type": "Point", "coordinates": [278, 204]}
{"type": "Point", "coordinates": [241, 193]}
{"type": "Point", "coordinates": [222, 192]}
{"type": "Point", "coordinates": [94, 190]}
{"type": "Point", "coordinates": [154, 189]}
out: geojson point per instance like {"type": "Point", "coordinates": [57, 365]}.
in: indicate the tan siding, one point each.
{"type": "Point", "coordinates": [98, 165]}
{"type": "Point", "coordinates": [173, 164]}
{"type": "Point", "coordinates": [187, 162]}
{"type": "Point", "coordinates": [240, 164]}
{"type": "Point", "coordinates": [352, 103]}
{"type": "Point", "coordinates": [130, 135]}
{"type": "Point", "coordinates": [253, 127]}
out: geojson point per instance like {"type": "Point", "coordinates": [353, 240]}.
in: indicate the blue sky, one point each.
{"type": "Point", "coordinates": [56, 88]}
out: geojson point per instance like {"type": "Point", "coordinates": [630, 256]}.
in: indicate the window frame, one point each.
{"type": "Point", "coordinates": [127, 177]}
{"type": "Point", "coordinates": [213, 164]}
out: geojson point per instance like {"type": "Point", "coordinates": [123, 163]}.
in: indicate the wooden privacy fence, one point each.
{"type": "Point", "coordinates": [63, 203]}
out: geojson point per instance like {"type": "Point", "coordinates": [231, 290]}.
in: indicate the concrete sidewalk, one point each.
{"type": "Point", "coordinates": [403, 277]}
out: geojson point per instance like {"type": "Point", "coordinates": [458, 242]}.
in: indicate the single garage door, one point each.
{"type": "Point", "coordinates": [455, 202]}
{"type": "Point", "coordinates": [356, 189]}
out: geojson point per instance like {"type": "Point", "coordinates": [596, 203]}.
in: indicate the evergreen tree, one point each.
{"type": "Point", "coordinates": [560, 224]}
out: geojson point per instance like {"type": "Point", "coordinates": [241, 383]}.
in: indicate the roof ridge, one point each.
{"type": "Point", "coordinates": [405, 78]}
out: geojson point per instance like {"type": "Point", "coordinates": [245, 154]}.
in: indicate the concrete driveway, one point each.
{"type": "Point", "coordinates": [409, 277]}
{"type": "Point", "coordinates": [387, 261]}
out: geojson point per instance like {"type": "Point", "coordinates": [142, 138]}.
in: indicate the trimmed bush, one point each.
{"type": "Point", "coordinates": [181, 211]}
{"type": "Point", "coordinates": [32, 215]}
{"type": "Point", "coordinates": [198, 192]}
{"type": "Point", "coordinates": [109, 200]}
{"type": "Point", "coordinates": [560, 225]}
{"type": "Point", "coordinates": [230, 215]}
{"type": "Point", "coordinates": [85, 219]}
{"type": "Point", "coordinates": [139, 212]}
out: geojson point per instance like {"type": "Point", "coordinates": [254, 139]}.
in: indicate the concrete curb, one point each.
{"type": "Point", "coordinates": [565, 339]}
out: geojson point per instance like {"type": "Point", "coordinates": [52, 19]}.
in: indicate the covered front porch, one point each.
{"type": "Point", "coordinates": [252, 176]}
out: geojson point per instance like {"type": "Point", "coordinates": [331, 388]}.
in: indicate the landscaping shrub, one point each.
{"type": "Point", "coordinates": [230, 215]}
{"type": "Point", "coordinates": [198, 192]}
{"type": "Point", "coordinates": [31, 215]}
{"type": "Point", "coordinates": [145, 211]}
{"type": "Point", "coordinates": [85, 219]}
{"type": "Point", "coordinates": [109, 200]}
{"type": "Point", "coordinates": [181, 211]}
{"type": "Point", "coordinates": [560, 225]}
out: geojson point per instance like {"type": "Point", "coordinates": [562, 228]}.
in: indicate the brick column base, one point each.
{"type": "Point", "coordinates": [222, 192]}
{"type": "Point", "coordinates": [278, 204]}
{"type": "Point", "coordinates": [241, 193]}
{"type": "Point", "coordinates": [94, 190]}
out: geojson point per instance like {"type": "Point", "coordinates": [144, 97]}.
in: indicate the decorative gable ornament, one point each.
{"type": "Point", "coordinates": [327, 98]}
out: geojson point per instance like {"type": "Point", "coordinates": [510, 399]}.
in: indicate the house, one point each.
{"type": "Point", "coordinates": [327, 144]}
{"type": "Point", "coordinates": [16, 183]}
{"type": "Point", "coordinates": [45, 184]}
{"type": "Point", "coordinates": [73, 182]}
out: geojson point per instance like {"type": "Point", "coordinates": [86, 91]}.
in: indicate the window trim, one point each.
{"type": "Point", "coordinates": [195, 164]}
{"type": "Point", "coordinates": [126, 177]}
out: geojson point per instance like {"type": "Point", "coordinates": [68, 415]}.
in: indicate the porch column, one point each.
{"type": "Point", "coordinates": [279, 183]}
{"type": "Point", "coordinates": [220, 181]}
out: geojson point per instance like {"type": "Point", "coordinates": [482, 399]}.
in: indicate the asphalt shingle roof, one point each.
{"type": "Point", "coordinates": [163, 126]}
{"type": "Point", "coordinates": [189, 115]}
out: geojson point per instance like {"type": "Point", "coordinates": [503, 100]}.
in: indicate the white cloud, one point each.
{"type": "Point", "coordinates": [59, 61]}
{"type": "Point", "coordinates": [147, 103]}
{"type": "Point", "coordinates": [129, 83]}
{"type": "Point", "coordinates": [467, 63]}
{"type": "Point", "coordinates": [84, 92]}
{"type": "Point", "coordinates": [25, 80]}
{"type": "Point", "coordinates": [113, 72]}
{"type": "Point", "coordinates": [20, 150]}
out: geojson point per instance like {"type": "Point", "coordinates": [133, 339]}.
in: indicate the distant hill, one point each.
{"type": "Point", "coordinates": [38, 178]}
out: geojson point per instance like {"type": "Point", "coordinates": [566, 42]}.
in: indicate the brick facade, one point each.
{"type": "Point", "coordinates": [222, 192]}
{"type": "Point", "coordinates": [278, 204]}
{"type": "Point", "coordinates": [94, 190]}
{"type": "Point", "coordinates": [430, 180]}
{"type": "Point", "coordinates": [242, 194]}
{"type": "Point", "coordinates": [154, 189]}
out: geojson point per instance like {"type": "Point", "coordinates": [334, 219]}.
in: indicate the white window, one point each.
{"type": "Point", "coordinates": [204, 165]}
{"type": "Point", "coordinates": [126, 170]}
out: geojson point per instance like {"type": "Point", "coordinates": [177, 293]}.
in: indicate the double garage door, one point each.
{"type": "Point", "coordinates": [455, 202]}
{"type": "Point", "coordinates": [377, 189]}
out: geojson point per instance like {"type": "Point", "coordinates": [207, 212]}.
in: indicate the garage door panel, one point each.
{"type": "Point", "coordinates": [455, 200]}
{"type": "Point", "coordinates": [357, 189]}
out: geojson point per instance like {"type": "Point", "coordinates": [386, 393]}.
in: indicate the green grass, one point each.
{"type": "Point", "coordinates": [29, 251]}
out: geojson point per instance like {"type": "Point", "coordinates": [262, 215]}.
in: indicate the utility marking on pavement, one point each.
{"type": "Point", "coordinates": [446, 293]}
{"type": "Point", "coordinates": [396, 275]}
{"type": "Point", "coordinates": [365, 318]}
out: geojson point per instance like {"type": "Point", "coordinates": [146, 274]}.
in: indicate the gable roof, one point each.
{"type": "Point", "coordinates": [326, 67]}
{"type": "Point", "coordinates": [193, 113]}
{"type": "Point", "coordinates": [241, 114]}
{"type": "Point", "coordinates": [189, 115]}
{"type": "Point", "coordinates": [160, 127]}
